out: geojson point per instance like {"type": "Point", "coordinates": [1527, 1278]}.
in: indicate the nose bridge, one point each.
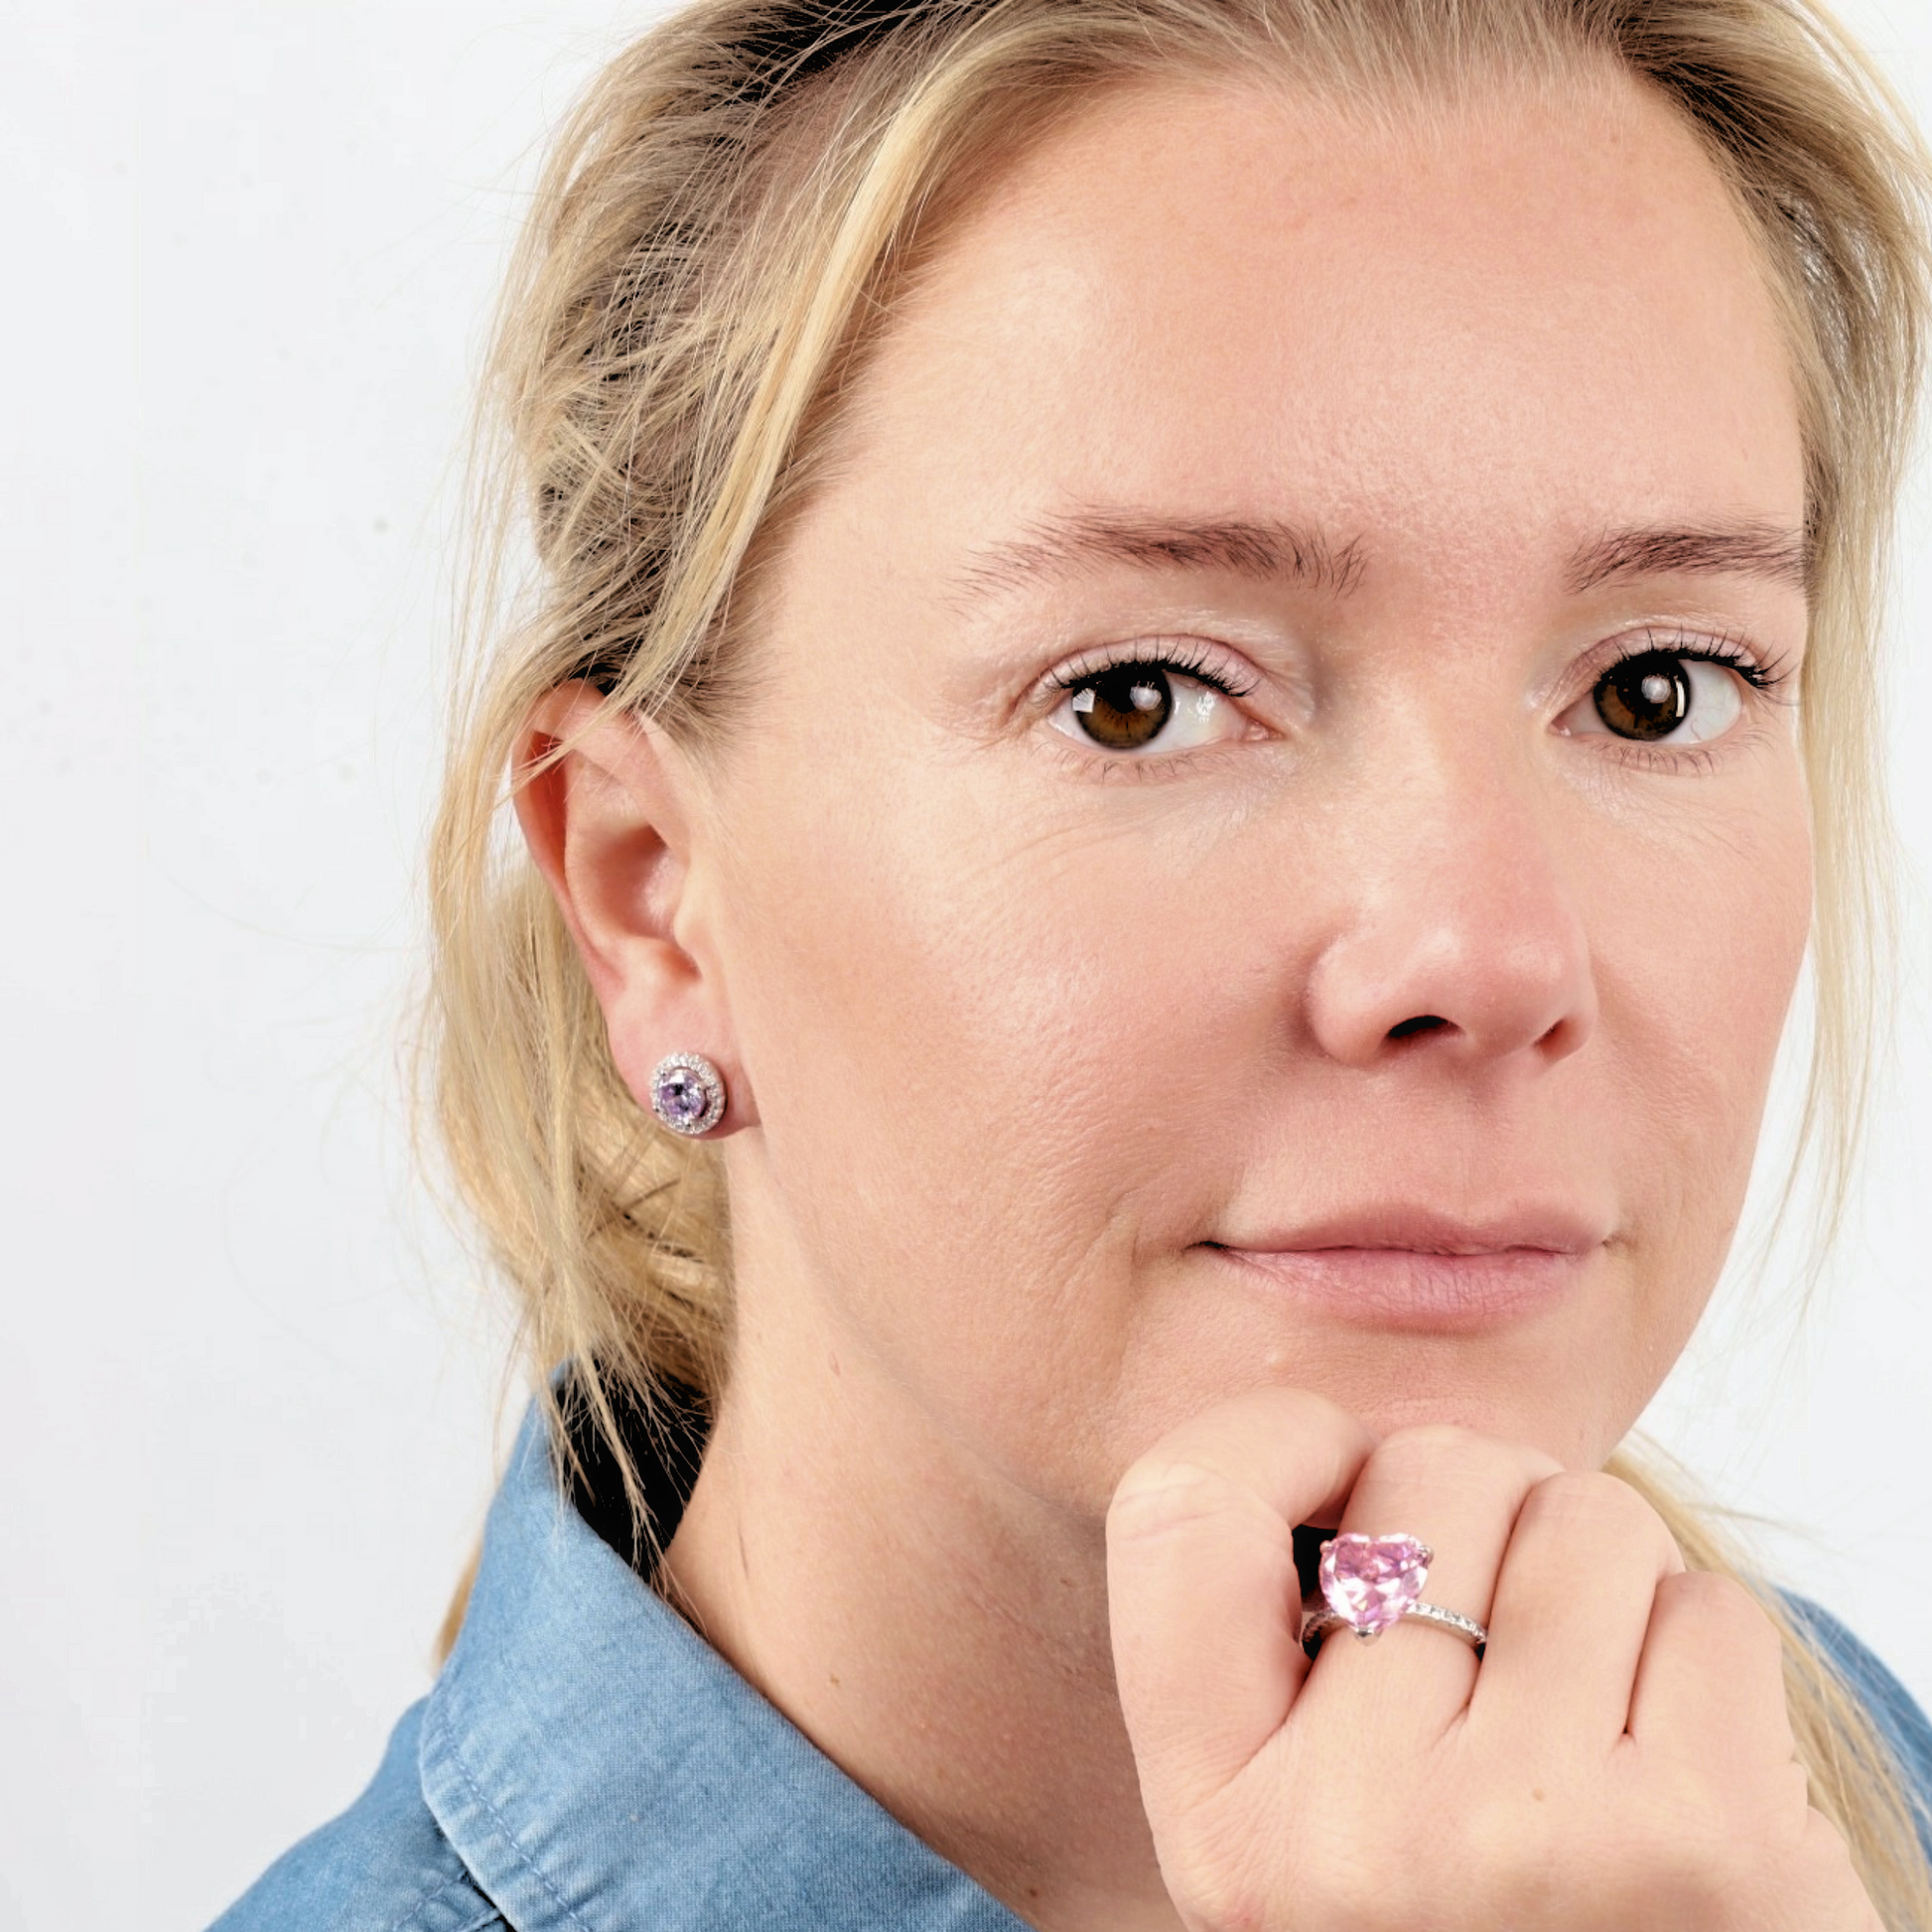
{"type": "Point", "coordinates": [1457, 920]}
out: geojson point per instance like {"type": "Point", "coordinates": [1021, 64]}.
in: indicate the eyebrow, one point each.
{"type": "Point", "coordinates": [1062, 545]}
{"type": "Point", "coordinates": [1748, 548]}
{"type": "Point", "coordinates": [1277, 551]}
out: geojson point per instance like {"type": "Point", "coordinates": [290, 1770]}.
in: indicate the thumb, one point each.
{"type": "Point", "coordinates": [1203, 1599]}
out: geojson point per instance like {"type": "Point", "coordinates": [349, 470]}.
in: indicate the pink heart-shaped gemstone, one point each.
{"type": "Point", "coordinates": [1372, 1582]}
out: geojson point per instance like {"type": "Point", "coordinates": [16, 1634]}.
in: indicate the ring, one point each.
{"type": "Point", "coordinates": [1373, 1581]}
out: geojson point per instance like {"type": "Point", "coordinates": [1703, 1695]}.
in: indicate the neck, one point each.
{"type": "Point", "coordinates": [935, 1631]}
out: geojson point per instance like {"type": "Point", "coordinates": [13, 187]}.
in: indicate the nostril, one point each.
{"type": "Point", "coordinates": [1423, 1022]}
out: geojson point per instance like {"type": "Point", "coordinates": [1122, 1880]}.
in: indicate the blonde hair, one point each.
{"type": "Point", "coordinates": [718, 234]}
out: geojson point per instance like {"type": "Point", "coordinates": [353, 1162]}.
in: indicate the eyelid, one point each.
{"type": "Point", "coordinates": [1763, 672]}
{"type": "Point", "coordinates": [1191, 656]}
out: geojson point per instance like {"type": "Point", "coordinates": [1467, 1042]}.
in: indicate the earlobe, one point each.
{"type": "Point", "coordinates": [601, 800]}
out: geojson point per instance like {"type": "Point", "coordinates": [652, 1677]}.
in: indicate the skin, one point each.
{"type": "Point", "coordinates": [1021, 1035]}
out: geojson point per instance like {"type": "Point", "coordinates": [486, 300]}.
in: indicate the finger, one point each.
{"type": "Point", "coordinates": [1572, 1603]}
{"type": "Point", "coordinates": [1459, 1492]}
{"type": "Point", "coordinates": [1202, 1593]}
{"type": "Point", "coordinates": [1710, 1684]}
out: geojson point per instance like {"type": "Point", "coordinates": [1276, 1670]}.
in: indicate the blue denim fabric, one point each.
{"type": "Point", "coordinates": [587, 1761]}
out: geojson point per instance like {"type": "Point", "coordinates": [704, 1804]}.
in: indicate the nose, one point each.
{"type": "Point", "coordinates": [1457, 932]}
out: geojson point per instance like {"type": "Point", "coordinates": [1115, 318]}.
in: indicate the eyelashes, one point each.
{"type": "Point", "coordinates": [1702, 649]}
{"type": "Point", "coordinates": [1184, 658]}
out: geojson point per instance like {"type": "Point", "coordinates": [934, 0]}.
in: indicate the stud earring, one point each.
{"type": "Point", "coordinates": [687, 1093]}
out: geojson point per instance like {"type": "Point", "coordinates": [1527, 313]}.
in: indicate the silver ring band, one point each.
{"type": "Point", "coordinates": [1321, 1623]}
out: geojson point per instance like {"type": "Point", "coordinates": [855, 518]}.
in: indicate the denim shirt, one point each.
{"type": "Point", "coordinates": [586, 1762]}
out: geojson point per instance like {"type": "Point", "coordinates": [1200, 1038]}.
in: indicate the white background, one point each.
{"type": "Point", "coordinates": [253, 1386]}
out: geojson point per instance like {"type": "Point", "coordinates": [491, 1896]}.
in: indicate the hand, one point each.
{"type": "Point", "coordinates": [1620, 1761]}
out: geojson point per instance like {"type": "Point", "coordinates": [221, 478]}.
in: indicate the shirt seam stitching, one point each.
{"type": "Point", "coordinates": [421, 1903]}
{"type": "Point", "coordinates": [455, 1756]}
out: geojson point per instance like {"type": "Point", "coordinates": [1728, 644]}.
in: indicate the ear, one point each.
{"type": "Point", "coordinates": [608, 824]}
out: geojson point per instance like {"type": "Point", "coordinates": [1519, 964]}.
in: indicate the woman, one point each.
{"type": "Point", "coordinates": [1201, 667]}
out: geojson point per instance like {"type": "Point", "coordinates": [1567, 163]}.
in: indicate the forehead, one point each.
{"type": "Point", "coordinates": [1534, 306]}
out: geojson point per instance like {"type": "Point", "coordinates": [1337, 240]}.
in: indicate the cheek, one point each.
{"type": "Point", "coordinates": [988, 1065]}
{"type": "Point", "coordinates": [1698, 948]}
{"type": "Point", "coordinates": [1714, 959]}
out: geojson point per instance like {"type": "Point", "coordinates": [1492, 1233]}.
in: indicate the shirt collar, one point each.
{"type": "Point", "coordinates": [598, 1766]}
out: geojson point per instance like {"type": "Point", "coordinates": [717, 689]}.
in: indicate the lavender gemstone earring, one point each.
{"type": "Point", "coordinates": [687, 1093]}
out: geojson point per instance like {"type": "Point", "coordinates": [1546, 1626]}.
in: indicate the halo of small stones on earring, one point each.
{"type": "Point", "coordinates": [687, 1093]}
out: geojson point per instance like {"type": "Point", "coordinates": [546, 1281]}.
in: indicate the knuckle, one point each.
{"type": "Point", "coordinates": [1727, 1838]}
{"type": "Point", "coordinates": [1726, 1617]}
{"type": "Point", "coordinates": [1515, 1852]}
{"type": "Point", "coordinates": [1439, 1453]}
{"type": "Point", "coordinates": [1428, 1440]}
{"type": "Point", "coordinates": [1683, 1849]}
{"type": "Point", "coordinates": [1725, 1600]}
{"type": "Point", "coordinates": [1171, 1496]}
{"type": "Point", "coordinates": [1591, 1503]}
{"type": "Point", "coordinates": [1688, 1818]}
{"type": "Point", "coordinates": [1365, 1889]}
{"type": "Point", "coordinates": [1156, 1498]}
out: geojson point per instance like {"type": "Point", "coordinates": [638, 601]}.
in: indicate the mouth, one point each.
{"type": "Point", "coordinates": [1410, 1269]}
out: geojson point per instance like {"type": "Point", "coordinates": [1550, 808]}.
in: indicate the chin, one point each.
{"type": "Point", "coordinates": [1527, 1395]}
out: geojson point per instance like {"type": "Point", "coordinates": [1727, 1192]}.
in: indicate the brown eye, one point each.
{"type": "Point", "coordinates": [1644, 697]}
{"type": "Point", "coordinates": [1126, 707]}
{"type": "Point", "coordinates": [1150, 702]}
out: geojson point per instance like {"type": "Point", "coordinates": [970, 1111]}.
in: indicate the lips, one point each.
{"type": "Point", "coordinates": [1413, 1268]}
{"type": "Point", "coordinates": [1423, 1230]}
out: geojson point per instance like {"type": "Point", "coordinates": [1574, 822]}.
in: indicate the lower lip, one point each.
{"type": "Point", "coordinates": [1403, 1288]}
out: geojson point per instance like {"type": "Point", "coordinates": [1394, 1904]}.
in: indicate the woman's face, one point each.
{"type": "Point", "coordinates": [1381, 996]}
